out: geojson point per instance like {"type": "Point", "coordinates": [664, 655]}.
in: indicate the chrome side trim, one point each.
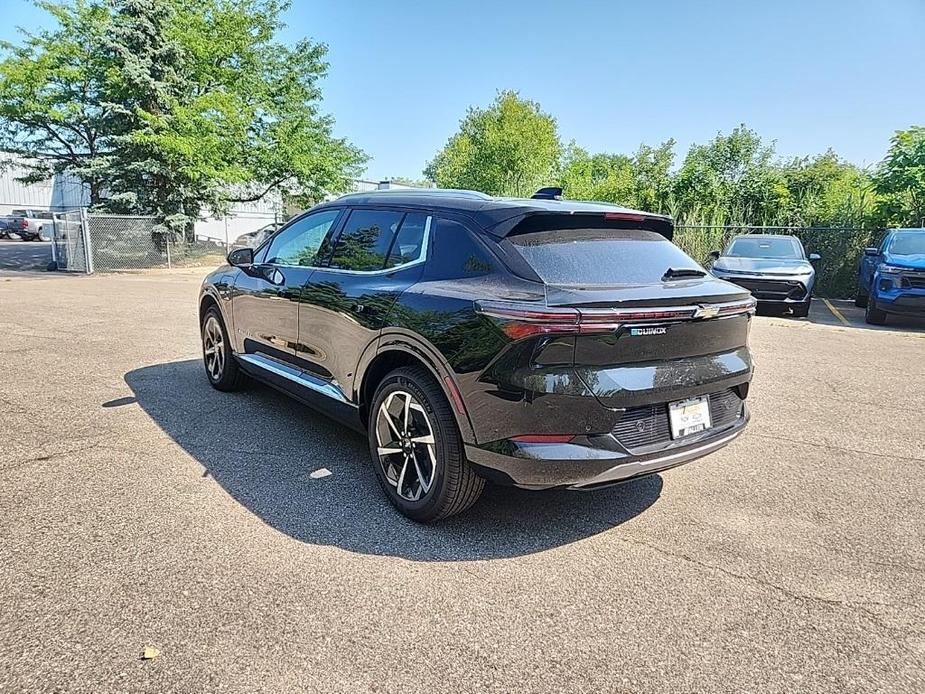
{"type": "Point", "coordinates": [295, 375]}
{"type": "Point", "coordinates": [632, 469]}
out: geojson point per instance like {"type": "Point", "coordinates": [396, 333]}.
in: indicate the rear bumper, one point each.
{"type": "Point", "coordinates": [591, 462]}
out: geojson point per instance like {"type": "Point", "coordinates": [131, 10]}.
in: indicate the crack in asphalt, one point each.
{"type": "Point", "coordinates": [15, 465]}
{"type": "Point", "coordinates": [855, 605]}
{"type": "Point", "coordinates": [837, 448]}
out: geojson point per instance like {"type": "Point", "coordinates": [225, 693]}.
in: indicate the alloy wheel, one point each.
{"type": "Point", "coordinates": [406, 445]}
{"type": "Point", "coordinates": [213, 345]}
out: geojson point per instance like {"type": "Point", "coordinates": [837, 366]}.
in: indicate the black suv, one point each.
{"type": "Point", "coordinates": [541, 343]}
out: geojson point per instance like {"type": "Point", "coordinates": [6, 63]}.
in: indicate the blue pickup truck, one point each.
{"type": "Point", "coordinates": [891, 277]}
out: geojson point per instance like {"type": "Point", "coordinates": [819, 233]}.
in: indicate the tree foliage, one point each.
{"type": "Point", "coordinates": [166, 107]}
{"type": "Point", "coordinates": [510, 148]}
{"type": "Point", "coordinates": [900, 179]}
{"type": "Point", "coordinates": [736, 178]}
{"type": "Point", "coordinates": [52, 96]}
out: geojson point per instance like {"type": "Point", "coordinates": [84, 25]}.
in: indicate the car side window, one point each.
{"type": "Point", "coordinates": [456, 253]}
{"type": "Point", "coordinates": [365, 240]}
{"type": "Point", "coordinates": [299, 243]}
{"type": "Point", "coordinates": [411, 241]}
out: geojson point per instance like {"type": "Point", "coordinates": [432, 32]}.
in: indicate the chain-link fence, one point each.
{"type": "Point", "coordinates": [840, 249]}
{"type": "Point", "coordinates": [69, 249]}
{"type": "Point", "coordinates": [85, 242]}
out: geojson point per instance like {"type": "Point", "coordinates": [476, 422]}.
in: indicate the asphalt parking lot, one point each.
{"type": "Point", "coordinates": [23, 256]}
{"type": "Point", "coordinates": [141, 508]}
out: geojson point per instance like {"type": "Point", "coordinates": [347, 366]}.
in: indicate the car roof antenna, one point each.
{"type": "Point", "coordinates": [547, 194]}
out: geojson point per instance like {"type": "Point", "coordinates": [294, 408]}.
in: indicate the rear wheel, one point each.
{"type": "Point", "coordinates": [417, 449]}
{"type": "Point", "coordinates": [873, 315]}
{"type": "Point", "coordinates": [860, 299]}
{"type": "Point", "coordinates": [221, 368]}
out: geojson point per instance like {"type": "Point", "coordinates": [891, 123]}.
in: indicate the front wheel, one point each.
{"type": "Point", "coordinates": [417, 449]}
{"type": "Point", "coordinates": [221, 368]}
{"type": "Point", "coordinates": [873, 315]}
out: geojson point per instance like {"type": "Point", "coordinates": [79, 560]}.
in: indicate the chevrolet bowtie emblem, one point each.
{"type": "Point", "coordinates": [706, 312]}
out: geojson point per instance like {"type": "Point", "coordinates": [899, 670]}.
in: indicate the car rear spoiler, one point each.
{"type": "Point", "coordinates": [532, 220]}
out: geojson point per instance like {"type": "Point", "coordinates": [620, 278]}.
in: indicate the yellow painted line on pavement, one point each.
{"type": "Point", "coordinates": [836, 312]}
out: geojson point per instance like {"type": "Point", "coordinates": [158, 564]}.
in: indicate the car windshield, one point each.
{"type": "Point", "coordinates": [600, 257]}
{"type": "Point", "coordinates": [783, 247]}
{"type": "Point", "coordinates": [909, 243]}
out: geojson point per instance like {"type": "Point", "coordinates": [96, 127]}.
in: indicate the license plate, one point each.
{"type": "Point", "coordinates": [689, 416]}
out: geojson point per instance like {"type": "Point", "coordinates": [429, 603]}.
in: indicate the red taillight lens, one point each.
{"type": "Point", "coordinates": [520, 320]}
{"type": "Point", "coordinates": [747, 306]}
{"type": "Point", "coordinates": [624, 216]}
{"type": "Point", "coordinates": [543, 438]}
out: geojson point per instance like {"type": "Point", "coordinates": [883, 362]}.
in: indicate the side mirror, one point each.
{"type": "Point", "coordinates": [814, 257]}
{"type": "Point", "coordinates": [715, 255]}
{"type": "Point", "coordinates": [873, 250]}
{"type": "Point", "coordinates": [241, 257]}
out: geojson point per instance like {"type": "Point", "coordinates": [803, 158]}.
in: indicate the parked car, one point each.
{"type": "Point", "coordinates": [540, 343]}
{"type": "Point", "coordinates": [29, 225]}
{"type": "Point", "coordinates": [252, 239]}
{"type": "Point", "coordinates": [891, 276]}
{"type": "Point", "coordinates": [774, 268]}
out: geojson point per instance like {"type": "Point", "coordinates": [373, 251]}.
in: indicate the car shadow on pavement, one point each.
{"type": "Point", "coordinates": [261, 447]}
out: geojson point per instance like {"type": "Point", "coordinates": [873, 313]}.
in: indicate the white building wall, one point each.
{"type": "Point", "coordinates": [15, 194]}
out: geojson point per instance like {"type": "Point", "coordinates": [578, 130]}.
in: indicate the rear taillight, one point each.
{"type": "Point", "coordinates": [519, 320]}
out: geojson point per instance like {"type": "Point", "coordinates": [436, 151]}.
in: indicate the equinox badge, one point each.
{"type": "Point", "coordinates": [636, 332]}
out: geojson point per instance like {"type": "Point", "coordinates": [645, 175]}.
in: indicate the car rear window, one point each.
{"type": "Point", "coordinates": [600, 257]}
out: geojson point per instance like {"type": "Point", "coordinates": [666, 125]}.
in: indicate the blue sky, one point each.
{"type": "Point", "coordinates": [811, 75]}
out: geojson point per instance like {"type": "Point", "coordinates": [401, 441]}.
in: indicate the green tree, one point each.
{"type": "Point", "coordinates": [825, 191]}
{"type": "Point", "coordinates": [730, 180]}
{"type": "Point", "coordinates": [194, 105]}
{"type": "Point", "coordinates": [642, 181]}
{"type": "Point", "coordinates": [52, 105]}
{"type": "Point", "coordinates": [510, 148]}
{"type": "Point", "coordinates": [900, 179]}
{"type": "Point", "coordinates": [602, 177]}
{"type": "Point", "coordinates": [653, 176]}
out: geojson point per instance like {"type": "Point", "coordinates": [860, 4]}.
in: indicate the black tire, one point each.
{"type": "Point", "coordinates": [873, 315]}
{"type": "Point", "coordinates": [802, 310]}
{"type": "Point", "coordinates": [228, 376]}
{"type": "Point", "coordinates": [860, 299]}
{"type": "Point", "coordinates": [454, 484]}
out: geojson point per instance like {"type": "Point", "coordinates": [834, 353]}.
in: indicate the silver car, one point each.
{"type": "Point", "coordinates": [774, 268]}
